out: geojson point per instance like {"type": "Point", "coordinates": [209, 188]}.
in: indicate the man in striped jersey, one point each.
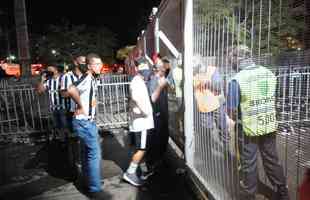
{"type": "Point", "coordinates": [51, 82]}
{"type": "Point", "coordinates": [68, 79]}
{"type": "Point", "coordinates": [83, 92]}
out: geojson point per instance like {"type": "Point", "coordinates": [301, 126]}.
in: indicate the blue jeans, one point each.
{"type": "Point", "coordinates": [90, 153]}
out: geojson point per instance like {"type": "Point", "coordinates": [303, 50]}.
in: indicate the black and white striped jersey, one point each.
{"type": "Point", "coordinates": [87, 87]}
{"type": "Point", "coordinates": [53, 86]}
{"type": "Point", "coordinates": [67, 80]}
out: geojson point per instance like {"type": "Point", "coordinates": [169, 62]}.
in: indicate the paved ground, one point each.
{"type": "Point", "coordinates": [26, 173]}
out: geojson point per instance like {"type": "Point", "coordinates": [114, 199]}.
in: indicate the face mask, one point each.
{"type": "Point", "coordinates": [96, 75]}
{"type": "Point", "coordinates": [83, 68]}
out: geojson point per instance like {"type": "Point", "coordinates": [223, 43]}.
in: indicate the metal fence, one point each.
{"type": "Point", "coordinates": [22, 111]}
{"type": "Point", "coordinates": [204, 31]}
{"type": "Point", "coordinates": [219, 26]}
{"type": "Point", "coordinates": [3, 83]}
{"type": "Point", "coordinates": [113, 94]}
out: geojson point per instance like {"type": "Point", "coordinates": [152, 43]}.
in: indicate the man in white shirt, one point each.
{"type": "Point", "coordinates": [141, 120]}
{"type": "Point", "coordinates": [83, 92]}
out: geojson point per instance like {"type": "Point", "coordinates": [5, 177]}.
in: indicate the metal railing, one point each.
{"type": "Point", "coordinates": [208, 29]}
{"type": "Point", "coordinates": [3, 83]}
{"type": "Point", "coordinates": [218, 27]}
{"type": "Point", "coordinates": [113, 94]}
{"type": "Point", "coordinates": [22, 111]}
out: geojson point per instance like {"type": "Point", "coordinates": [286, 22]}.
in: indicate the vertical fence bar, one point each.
{"type": "Point", "coordinates": [188, 82]}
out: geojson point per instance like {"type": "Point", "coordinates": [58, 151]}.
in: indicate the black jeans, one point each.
{"type": "Point", "coordinates": [248, 147]}
{"type": "Point", "coordinates": [153, 152]}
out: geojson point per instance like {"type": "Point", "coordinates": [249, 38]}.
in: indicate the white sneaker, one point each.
{"type": "Point", "coordinates": [132, 179]}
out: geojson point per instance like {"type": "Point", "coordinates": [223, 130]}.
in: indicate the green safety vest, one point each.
{"type": "Point", "coordinates": [257, 102]}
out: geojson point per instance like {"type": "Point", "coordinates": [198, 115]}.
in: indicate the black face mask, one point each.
{"type": "Point", "coordinates": [96, 75]}
{"type": "Point", "coordinates": [83, 68]}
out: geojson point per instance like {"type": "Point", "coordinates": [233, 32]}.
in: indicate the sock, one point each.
{"type": "Point", "coordinates": [132, 168]}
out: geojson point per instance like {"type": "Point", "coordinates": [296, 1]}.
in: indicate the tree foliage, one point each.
{"type": "Point", "coordinates": [267, 26]}
{"type": "Point", "coordinates": [68, 40]}
{"type": "Point", "coordinates": [123, 53]}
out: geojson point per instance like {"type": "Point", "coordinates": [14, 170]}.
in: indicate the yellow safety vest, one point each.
{"type": "Point", "coordinates": [257, 102]}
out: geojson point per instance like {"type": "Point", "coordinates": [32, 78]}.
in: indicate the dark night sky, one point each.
{"type": "Point", "coordinates": [126, 18]}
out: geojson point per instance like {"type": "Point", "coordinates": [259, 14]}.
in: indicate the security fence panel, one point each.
{"type": "Point", "coordinates": [251, 97]}
{"type": "Point", "coordinates": [22, 112]}
{"type": "Point", "coordinates": [112, 108]}
{"type": "Point", "coordinates": [3, 83]}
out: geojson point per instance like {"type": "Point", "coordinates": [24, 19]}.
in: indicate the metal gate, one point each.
{"type": "Point", "coordinates": [273, 34]}
{"type": "Point", "coordinates": [22, 111]}
{"type": "Point", "coordinates": [112, 108]}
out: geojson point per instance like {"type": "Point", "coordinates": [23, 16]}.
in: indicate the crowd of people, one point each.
{"type": "Point", "coordinates": [72, 102]}
{"type": "Point", "coordinates": [247, 108]}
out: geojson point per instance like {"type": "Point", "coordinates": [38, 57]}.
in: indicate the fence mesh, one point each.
{"type": "Point", "coordinates": [24, 111]}
{"type": "Point", "coordinates": [113, 94]}
{"type": "Point", "coordinates": [274, 34]}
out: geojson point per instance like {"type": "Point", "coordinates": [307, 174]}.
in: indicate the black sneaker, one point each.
{"type": "Point", "coordinates": [145, 175]}
{"type": "Point", "coordinates": [132, 179]}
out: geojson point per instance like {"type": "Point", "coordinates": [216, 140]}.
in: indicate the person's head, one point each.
{"type": "Point", "coordinates": [79, 60]}
{"type": "Point", "coordinates": [238, 53]}
{"type": "Point", "coordinates": [120, 70]}
{"type": "Point", "coordinates": [55, 67]}
{"type": "Point", "coordinates": [79, 65]}
{"type": "Point", "coordinates": [143, 68]}
{"type": "Point", "coordinates": [161, 71]}
{"type": "Point", "coordinates": [167, 65]}
{"type": "Point", "coordinates": [94, 63]}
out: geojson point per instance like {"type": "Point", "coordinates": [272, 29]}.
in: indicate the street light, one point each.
{"type": "Point", "coordinates": [54, 52]}
{"type": "Point", "coordinates": [11, 58]}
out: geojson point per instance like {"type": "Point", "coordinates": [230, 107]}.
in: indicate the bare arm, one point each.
{"type": "Point", "coordinates": [41, 88]}
{"type": "Point", "coordinates": [162, 83]}
{"type": "Point", "coordinates": [64, 93]}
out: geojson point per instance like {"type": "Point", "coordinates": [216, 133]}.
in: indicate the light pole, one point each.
{"type": "Point", "coordinates": [22, 36]}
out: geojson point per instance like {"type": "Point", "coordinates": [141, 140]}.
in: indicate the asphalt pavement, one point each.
{"type": "Point", "coordinates": [35, 171]}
